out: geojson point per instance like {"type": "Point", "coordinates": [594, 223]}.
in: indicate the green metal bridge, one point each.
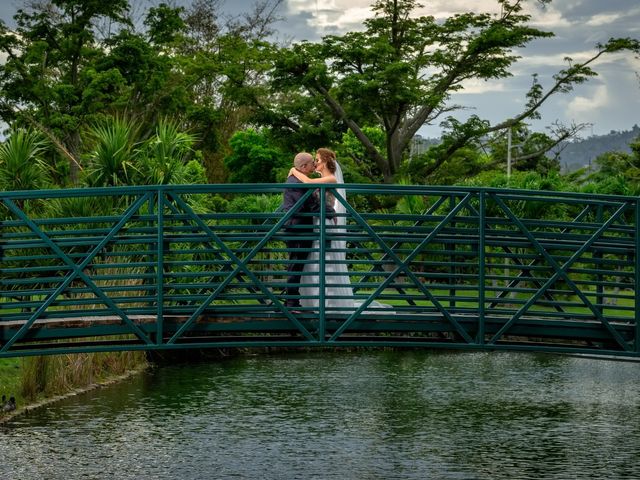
{"type": "Point", "coordinates": [174, 267]}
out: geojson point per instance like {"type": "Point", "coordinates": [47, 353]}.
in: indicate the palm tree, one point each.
{"type": "Point", "coordinates": [112, 159]}
{"type": "Point", "coordinates": [163, 157]}
{"type": "Point", "coordinates": [22, 166]}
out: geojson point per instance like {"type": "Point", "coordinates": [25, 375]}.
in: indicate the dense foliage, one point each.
{"type": "Point", "coordinates": [99, 95]}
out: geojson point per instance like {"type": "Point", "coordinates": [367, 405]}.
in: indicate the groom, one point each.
{"type": "Point", "coordinates": [298, 225]}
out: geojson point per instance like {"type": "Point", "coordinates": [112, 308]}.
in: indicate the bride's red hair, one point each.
{"type": "Point", "coordinates": [329, 158]}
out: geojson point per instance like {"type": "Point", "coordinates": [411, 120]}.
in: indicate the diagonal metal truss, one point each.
{"type": "Point", "coordinates": [160, 274]}
{"type": "Point", "coordinates": [76, 271]}
{"type": "Point", "coordinates": [239, 266]}
{"type": "Point", "coordinates": [560, 272]}
{"type": "Point", "coordinates": [402, 267]}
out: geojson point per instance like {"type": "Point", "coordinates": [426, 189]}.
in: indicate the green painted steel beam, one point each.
{"type": "Point", "coordinates": [470, 268]}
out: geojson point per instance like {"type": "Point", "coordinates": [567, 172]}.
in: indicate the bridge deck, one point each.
{"type": "Point", "coordinates": [274, 328]}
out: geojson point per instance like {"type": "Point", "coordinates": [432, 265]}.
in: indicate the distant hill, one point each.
{"type": "Point", "coordinates": [574, 154]}
{"type": "Point", "coordinates": [580, 153]}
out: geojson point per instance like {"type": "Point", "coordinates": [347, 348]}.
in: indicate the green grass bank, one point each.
{"type": "Point", "coordinates": [34, 380]}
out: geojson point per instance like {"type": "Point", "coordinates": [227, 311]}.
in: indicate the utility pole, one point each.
{"type": "Point", "coordinates": [508, 154]}
{"type": "Point", "coordinates": [506, 260]}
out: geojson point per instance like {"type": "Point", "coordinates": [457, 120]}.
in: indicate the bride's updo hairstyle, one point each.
{"type": "Point", "coordinates": [328, 157]}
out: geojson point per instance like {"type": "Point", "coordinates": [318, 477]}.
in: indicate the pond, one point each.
{"type": "Point", "coordinates": [362, 415]}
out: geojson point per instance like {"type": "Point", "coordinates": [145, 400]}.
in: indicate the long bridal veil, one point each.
{"type": "Point", "coordinates": [338, 291]}
{"type": "Point", "coordinates": [339, 295]}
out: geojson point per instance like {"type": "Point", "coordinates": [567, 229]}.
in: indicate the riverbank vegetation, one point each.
{"type": "Point", "coordinates": [32, 379]}
{"type": "Point", "coordinates": [10, 379]}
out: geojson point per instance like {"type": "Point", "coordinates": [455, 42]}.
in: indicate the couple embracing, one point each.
{"type": "Point", "coordinates": [338, 291]}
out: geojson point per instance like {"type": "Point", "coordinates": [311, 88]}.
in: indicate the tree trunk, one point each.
{"type": "Point", "coordinates": [396, 145]}
{"type": "Point", "coordinates": [340, 113]}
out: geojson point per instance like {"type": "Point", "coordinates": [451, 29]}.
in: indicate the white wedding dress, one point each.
{"type": "Point", "coordinates": [339, 297]}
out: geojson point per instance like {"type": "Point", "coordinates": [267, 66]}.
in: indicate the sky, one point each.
{"type": "Point", "coordinates": [610, 101]}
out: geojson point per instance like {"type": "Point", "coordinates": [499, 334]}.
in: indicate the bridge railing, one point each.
{"type": "Point", "coordinates": [165, 267]}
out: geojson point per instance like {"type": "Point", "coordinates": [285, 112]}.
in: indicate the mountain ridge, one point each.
{"type": "Point", "coordinates": [581, 153]}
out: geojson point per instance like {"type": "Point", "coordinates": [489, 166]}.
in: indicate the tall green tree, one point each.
{"type": "Point", "coordinates": [227, 63]}
{"type": "Point", "coordinates": [73, 63]}
{"type": "Point", "coordinates": [48, 64]}
{"type": "Point", "coordinates": [255, 159]}
{"type": "Point", "coordinates": [617, 173]}
{"type": "Point", "coordinates": [465, 162]}
{"type": "Point", "coordinates": [400, 72]}
{"type": "Point", "coordinates": [353, 156]}
{"type": "Point", "coordinates": [530, 151]}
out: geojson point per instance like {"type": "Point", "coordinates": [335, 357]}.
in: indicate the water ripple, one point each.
{"type": "Point", "coordinates": [365, 415]}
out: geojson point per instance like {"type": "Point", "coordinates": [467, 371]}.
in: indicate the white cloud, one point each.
{"type": "Point", "coordinates": [603, 19]}
{"type": "Point", "coordinates": [632, 62]}
{"type": "Point", "coordinates": [349, 15]}
{"type": "Point", "coordinates": [548, 18]}
{"type": "Point", "coordinates": [556, 59]}
{"type": "Point", "coordinates": [349, 19]}
{"type": "Point", "coordinates": [581, 106]}
{"type": "Point", "coordinates": [477, 86]}
{"type": "Point", "coordinates": [442, 9]}
{"type": "Point", "coordinates": [334, 15]}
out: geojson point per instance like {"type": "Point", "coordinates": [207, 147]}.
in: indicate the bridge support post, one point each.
{"type": "Point", "coordinates": [160, 269]}
{"type": "Point", "coordinates": [481, 272]}
{"type": "Point", "coordinates": [637, 277]}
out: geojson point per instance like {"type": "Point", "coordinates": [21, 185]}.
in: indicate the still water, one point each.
{"type": "Point", "coordinates": [363, 415]}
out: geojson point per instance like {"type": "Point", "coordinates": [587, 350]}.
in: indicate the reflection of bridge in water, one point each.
{"type": "Point", "coordinates": [156, 268]}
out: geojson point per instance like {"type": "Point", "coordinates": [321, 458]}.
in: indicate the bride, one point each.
{"type": "Point", "coordinates": [339, 295]}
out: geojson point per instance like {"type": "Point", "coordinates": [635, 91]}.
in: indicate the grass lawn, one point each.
{"type": "Point", "coordinates": [10, 372]}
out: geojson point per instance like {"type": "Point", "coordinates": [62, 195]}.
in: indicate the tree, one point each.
{"type": "Point", "coordinates": [63, 74]}
{"type": "Point", "coordinates": [45, 75]}
{"type": "Point", "coordinates": [353, 156]}
{"type": "Point", "coordinates": [465, 162]}
{"type": "Point", "coordinates": [121, 155]}
{"type": "Point", "coordinates": [225, 63]}
{"type": "Point", "coordinates": [254, 159]}
{"type": "Point", "coordinates": [164, 157]}
{"type": "Point", "coordinates": [529, 149]}
{"type": "Point", "coordinates": [400, 73]}
{"type": "Point", "coordinates": [617, 173]}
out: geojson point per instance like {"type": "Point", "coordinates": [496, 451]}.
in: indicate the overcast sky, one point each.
{"type": "Point", "coordinates": [610, 101]}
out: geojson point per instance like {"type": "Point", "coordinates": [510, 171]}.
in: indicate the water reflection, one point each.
{"type": "Point", "coordinates": [344, 415]}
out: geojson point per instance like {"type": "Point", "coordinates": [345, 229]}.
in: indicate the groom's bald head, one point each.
{"type": "Point", "coordinates": [302, 159]}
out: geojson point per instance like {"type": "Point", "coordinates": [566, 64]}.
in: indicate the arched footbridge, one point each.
{"type": "Point", "coordinates": [198, 266]}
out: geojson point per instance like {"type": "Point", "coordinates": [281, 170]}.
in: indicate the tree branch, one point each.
{"type": "Point", "coordinates": [560, 82]}
{"type": "Point", "coordinates": [354, 127]}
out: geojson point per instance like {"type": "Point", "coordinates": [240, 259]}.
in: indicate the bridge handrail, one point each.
{"type": "Point", "coordinates": [542, 195]}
